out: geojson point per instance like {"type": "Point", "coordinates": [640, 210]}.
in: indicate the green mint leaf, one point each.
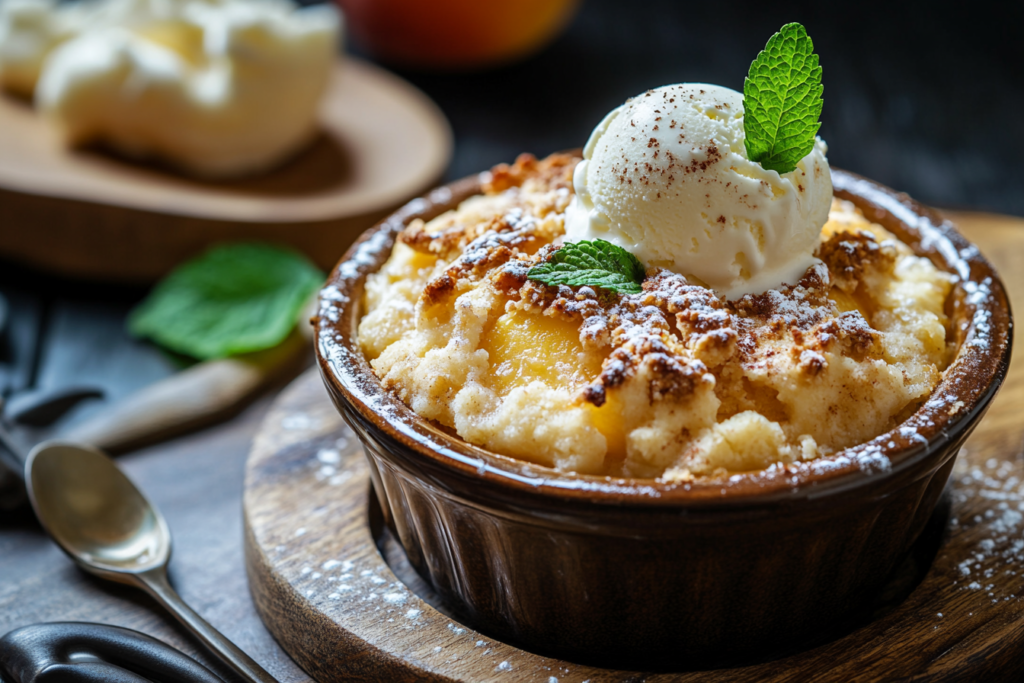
{"type": "Point", "coordinates": [782, 100]}
{"type": "Point", "coordinates": [233, 299]}
{"type": "Point", "coordinates": [593, 263]}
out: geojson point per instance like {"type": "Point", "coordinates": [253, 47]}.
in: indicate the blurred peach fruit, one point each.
{"type": "Point", "coordinates": [453, 34]}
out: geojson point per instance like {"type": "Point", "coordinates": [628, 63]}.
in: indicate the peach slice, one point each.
{"type": "Point", "coordinates": [526, 347]}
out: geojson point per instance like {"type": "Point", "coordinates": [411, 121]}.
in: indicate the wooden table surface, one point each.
{"type": "Point", "coordinates": [196, 480]}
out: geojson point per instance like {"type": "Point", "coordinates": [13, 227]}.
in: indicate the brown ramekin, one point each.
{"type": "Point", "coordinates": [627, 570]}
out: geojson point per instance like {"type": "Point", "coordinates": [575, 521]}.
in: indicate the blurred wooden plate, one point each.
{"type": "Point", "coordinates": [87, 213]}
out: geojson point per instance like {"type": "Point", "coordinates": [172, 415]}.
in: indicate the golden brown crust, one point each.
{"type": "Point", "coordinates": [458, 238]}
{"type": "Point", "coordinates": [553, 172]}
{"type": "Point", "coordinates": [850, 255]}
{"type": "Point", "coordinates": [693, 378]}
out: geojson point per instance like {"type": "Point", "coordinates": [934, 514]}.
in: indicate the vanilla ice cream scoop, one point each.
{"type": "Point", "coordinates": [666, 176]}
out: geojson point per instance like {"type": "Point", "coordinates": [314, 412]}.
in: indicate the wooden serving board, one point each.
{"type": "Point", "coordinates": [315, 554]}
{"type": "Point", "coordinates": [88, 213]}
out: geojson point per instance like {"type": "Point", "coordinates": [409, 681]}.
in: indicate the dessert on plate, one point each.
{"type": "Point", "coordinates": [217, 88]}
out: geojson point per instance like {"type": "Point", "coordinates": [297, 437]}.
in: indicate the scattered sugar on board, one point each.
{"type": "Point", "coordinates": [991, 566]}
{"type": "Point", "coordinates": [329, 456]}
{"type": "Point", "coordinates": [395, 598]}
{"type": "Point", "coordinates": [299, 421]}
{"type": "Point", "coordinates": [339, 479]}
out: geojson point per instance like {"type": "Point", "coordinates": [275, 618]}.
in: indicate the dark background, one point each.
{"type": "Point", "coordinates": [924, 97]}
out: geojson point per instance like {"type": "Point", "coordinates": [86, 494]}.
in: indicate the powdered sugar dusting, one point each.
{"type": "Point", "coordinates": [989, 499]}
{"type": "Point", "coordinates": [980, 334]}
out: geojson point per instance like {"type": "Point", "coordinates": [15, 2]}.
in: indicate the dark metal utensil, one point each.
{"type": "Point", "coordinates": [39, 410]}
{"type": "Point", "coordinates": [43, 408]}
{"type": "Point", "coordinates": [12, 485]}
{"type": "Point", "coordinates": [82, 653]}
{"type": "Point", "coordinates": [110, 529]}
{"type": "Point", "coordinates": [4, 311]}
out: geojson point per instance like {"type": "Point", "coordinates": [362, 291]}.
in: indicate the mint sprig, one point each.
{"type": "Point", "coordinates": [782, 100]}
{"type": "Point", "coordinates": [592, 263]}
{"type": "Point", "coordinates": [233, 299]}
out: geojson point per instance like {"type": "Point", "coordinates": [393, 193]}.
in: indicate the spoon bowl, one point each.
{"type": "Point", "coordinates": [110, 529]}
{"type": "Point", "coordinates": [94, 512]}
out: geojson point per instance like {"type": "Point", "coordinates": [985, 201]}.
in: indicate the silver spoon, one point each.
{"type": "Point", "coordinates": [98, 517]}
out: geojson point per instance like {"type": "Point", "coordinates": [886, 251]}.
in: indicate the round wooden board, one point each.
{"type": "Point", "coordinates": [88, 213]}
{"type": "Point", "coordinates": [325, 592]}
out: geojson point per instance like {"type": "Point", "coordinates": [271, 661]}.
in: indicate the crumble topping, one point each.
{"type": "Point", "coordinates": [674, 382]}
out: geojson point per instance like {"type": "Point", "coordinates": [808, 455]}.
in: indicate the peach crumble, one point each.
{"type": "Point", "coordinates": [675, 382]}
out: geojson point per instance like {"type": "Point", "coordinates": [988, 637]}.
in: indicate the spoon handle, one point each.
{"type": "Point", "coordinates": [156, 584]}
{"type": "Point", "coordinates": [12, 470]}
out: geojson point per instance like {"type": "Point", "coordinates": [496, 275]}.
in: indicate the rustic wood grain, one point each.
{"type": "Point", "coordinates": [90, 214]}
{"type": "Point", "coordinates": [325, 592]}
